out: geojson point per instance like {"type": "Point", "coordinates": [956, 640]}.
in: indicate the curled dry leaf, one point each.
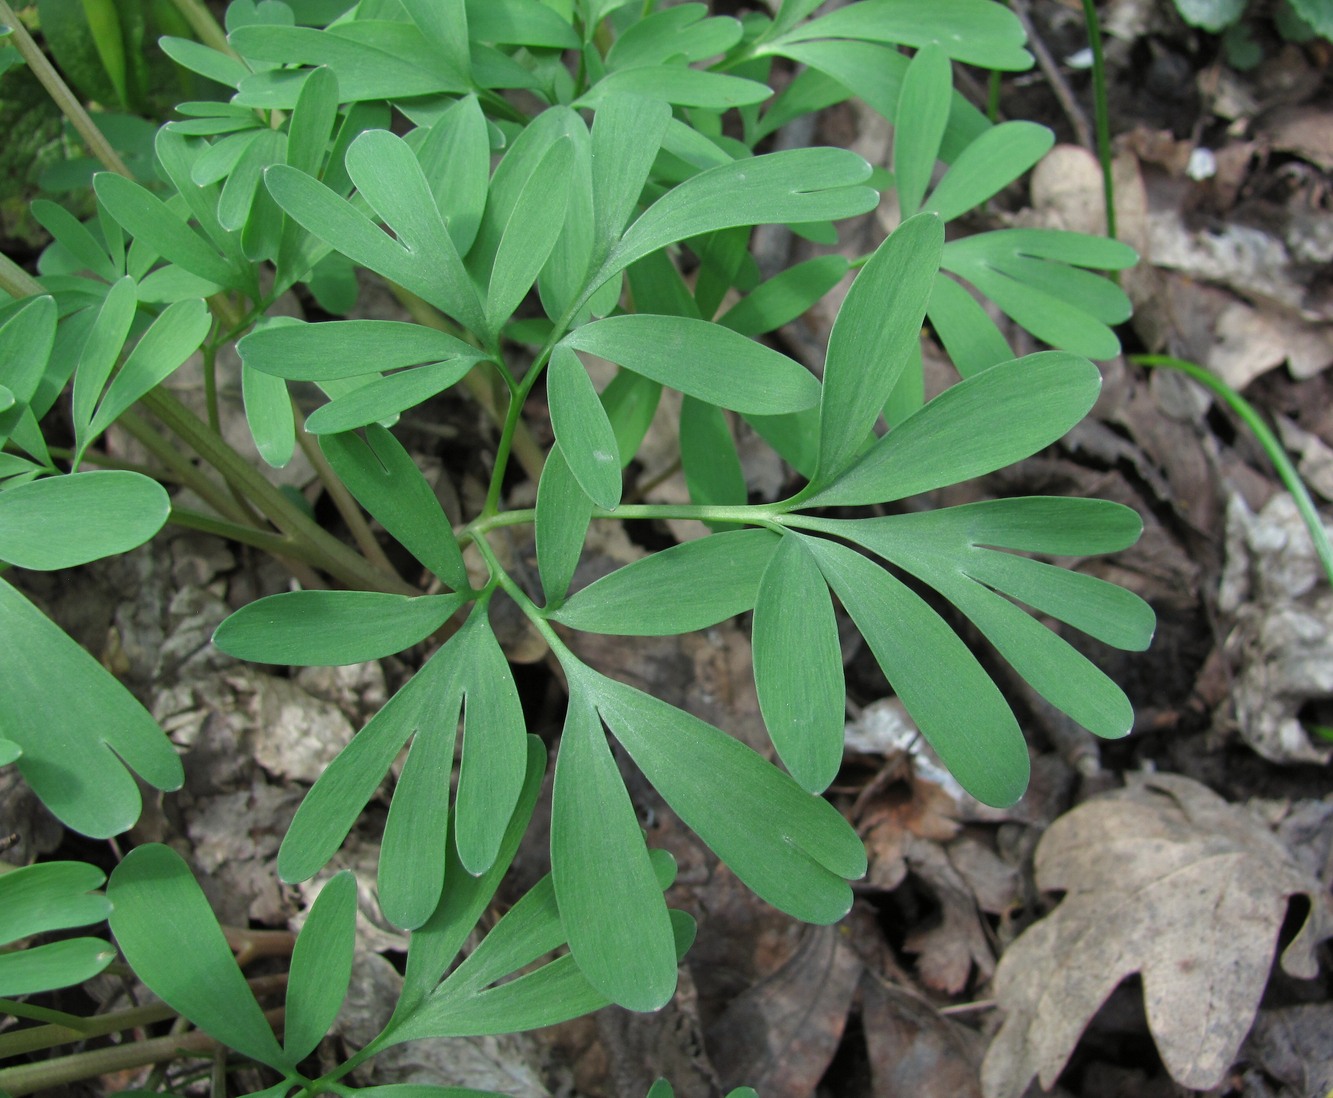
{"type": "Point", "coordinates": [1164, 879]}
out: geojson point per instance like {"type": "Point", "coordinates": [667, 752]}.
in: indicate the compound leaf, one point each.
{"type": "Point", "coordinates": [793, 849]}
{"type": "Point", "coordinates": [958, 708]}
{"type": "Point", "coordinates": [626, 135]}
{"type": "Point", "coordinates": [168, 932]}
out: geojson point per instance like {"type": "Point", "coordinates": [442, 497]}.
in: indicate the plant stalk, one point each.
{"type": "Point", "coordinates": [1102, 114]}
{"type": "Point", "coordinates": [333, 556]}
{"type": "Point", "coordinates": [205, 27]}
{"type": "Point", "coordinates": [1271, 444]}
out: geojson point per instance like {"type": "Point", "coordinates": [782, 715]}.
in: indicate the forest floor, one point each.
{"type": "Point", "coordinates": [1187, 867]}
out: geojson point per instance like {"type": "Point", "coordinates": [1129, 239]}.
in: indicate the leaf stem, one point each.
{"type": "Point", "coordinates": [334, 557]}
{"type": "Point", "coordinates": [60, 94]}
{"type": "Point", "coordinates": [16, 282]}
{"type": "Point", "coordinates": [46, 1074]}
{"type": "Point", "coordinates": [1102, 116]}
{"type": "Point", "coordinates": [1271, 444]}
{"type": "Point", "coordinates": [205, 27]}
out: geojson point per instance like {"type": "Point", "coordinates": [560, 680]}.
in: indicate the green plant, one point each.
{"type": "Point", "coordinates": [1236, 21]}
{"type": "Point", "coordinates": [521, 237]}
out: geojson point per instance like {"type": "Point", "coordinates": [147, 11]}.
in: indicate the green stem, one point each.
{"type": "Point", "coordinates": [1102, 111]}
{"type": "Point", "coordinates": [47, 1074]}
{"type": "Point", "coordinates": [60, 94]}
{"type": "Point", "coordinates": [333, 556]}
{"type": "Point", "coordinates": [1271, 444]}
{"type": "Point", "coordinates": [205, 27]}
{"type": "Point", "coordinates": [343, 501]}
{"type": "Point", "coordinates": [277, 545]}
{"type": "Point", "coordinates": [16, 282]}
{"type": "Point", "coordinates": [182, 468]}
{"type": "Point", "coordinates": [35, 1038]}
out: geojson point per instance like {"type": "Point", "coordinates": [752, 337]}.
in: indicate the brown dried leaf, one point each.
{"type": "Point", "coordinates": [947, 952]}
{"type": "Point", "coordinates": [1166, 879]}
{"type": "Point", "coordinates": [781, 1034]}
{"type": "Point", "coordinates": [916, 1052]}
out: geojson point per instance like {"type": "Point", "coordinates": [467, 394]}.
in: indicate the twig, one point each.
{"type": "Point", "coordinates": [1051, 70]}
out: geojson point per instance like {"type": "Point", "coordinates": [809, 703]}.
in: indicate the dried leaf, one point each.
{"type": "Point", "coordinates": [916, 1052]}
{"type": "Point", "coordinates": [781, 1034]}
{"type": "Point", "coordinates": [1168, 880]}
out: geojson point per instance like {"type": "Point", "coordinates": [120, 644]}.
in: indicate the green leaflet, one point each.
{"type": "Point", "coordinates": [148, 219]}
{"type": "Point", "coordinates": [383, 398]}
{"type": "Point", "coordinates": [388, 483]}
{"type": "Point", "coordinates": [611, 907]}
{"type": "Point", "coordinates": [1032, 275]}
{"type": "Point", "coordinates": [269, 415]}
{"type": "Point", "coordinates": [89, 717]}
{"type": "Point", "coordinates": [169, 341]}
{"type": "Point", "coordinates": [104, 344]}
{"type": "Point", "coordinates": [687, 587]}
{"type": "Point", "coordinates": [975, 32]}
{"type": "Point", "coordinates": [168, 932]}
{"type": "Point", "coordinates": [969, 335]}
{"type": "Point", "coordinates": [530, 233]}
{"type": "Point", "coordinates": [370, 58]}
{"type": "Point", "coordinates": [49, 896]}
{"type": "Point", "coordinates": [712, 467]}
{"type": "Point", "coordinates": [321, 967]}
{"type": "Point", "coordinates": [798, 666]}
{"type": "Point", "coordinates": [987, 165]}
{"type": "Point", "coordinates": [582, 428]}
{"type": "Point", "coordinates": [923, 113]}
{"type": "Point", "coordinates": [26, 340]}
{"type": "Point", "coordinates": [626, 135]}
{"type": "Point", "coordinates": [348, 348]}
{"type": "Point", "coordinates": [429, 700]}
{"type": "Point", "coordinates": [793, 186]}
{"type": "Point", "coordinates": [423, 258]}
{"type": "Point", "coordinates": [561, 525]}
{"type": "Point", "coordinates": [876, 329]}
{"type": "Point", "coordinates": [703, 360]}
{"type": "Point", "coordinates": [332, 628]}
{"type": "Point", "coordinates": [413, 854]}
{"type": "Point", "coordinates": [793, 849]}
{"type": "Point", "coordinates": [63, 521]}
{"type": "Point", "coordinates": [1038, 398]}
{"type": "Point", "coordinates": [435, 944]}
{"type": "Point", "coordinates": [946, 550]}
{"type": "Point", "coordinates": [958, 708]}
{"type": "Point", "coordinates": [785, 296]}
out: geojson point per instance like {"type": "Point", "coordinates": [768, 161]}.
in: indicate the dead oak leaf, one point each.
{"type": "Point", "coordinates": [1168, 880]}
